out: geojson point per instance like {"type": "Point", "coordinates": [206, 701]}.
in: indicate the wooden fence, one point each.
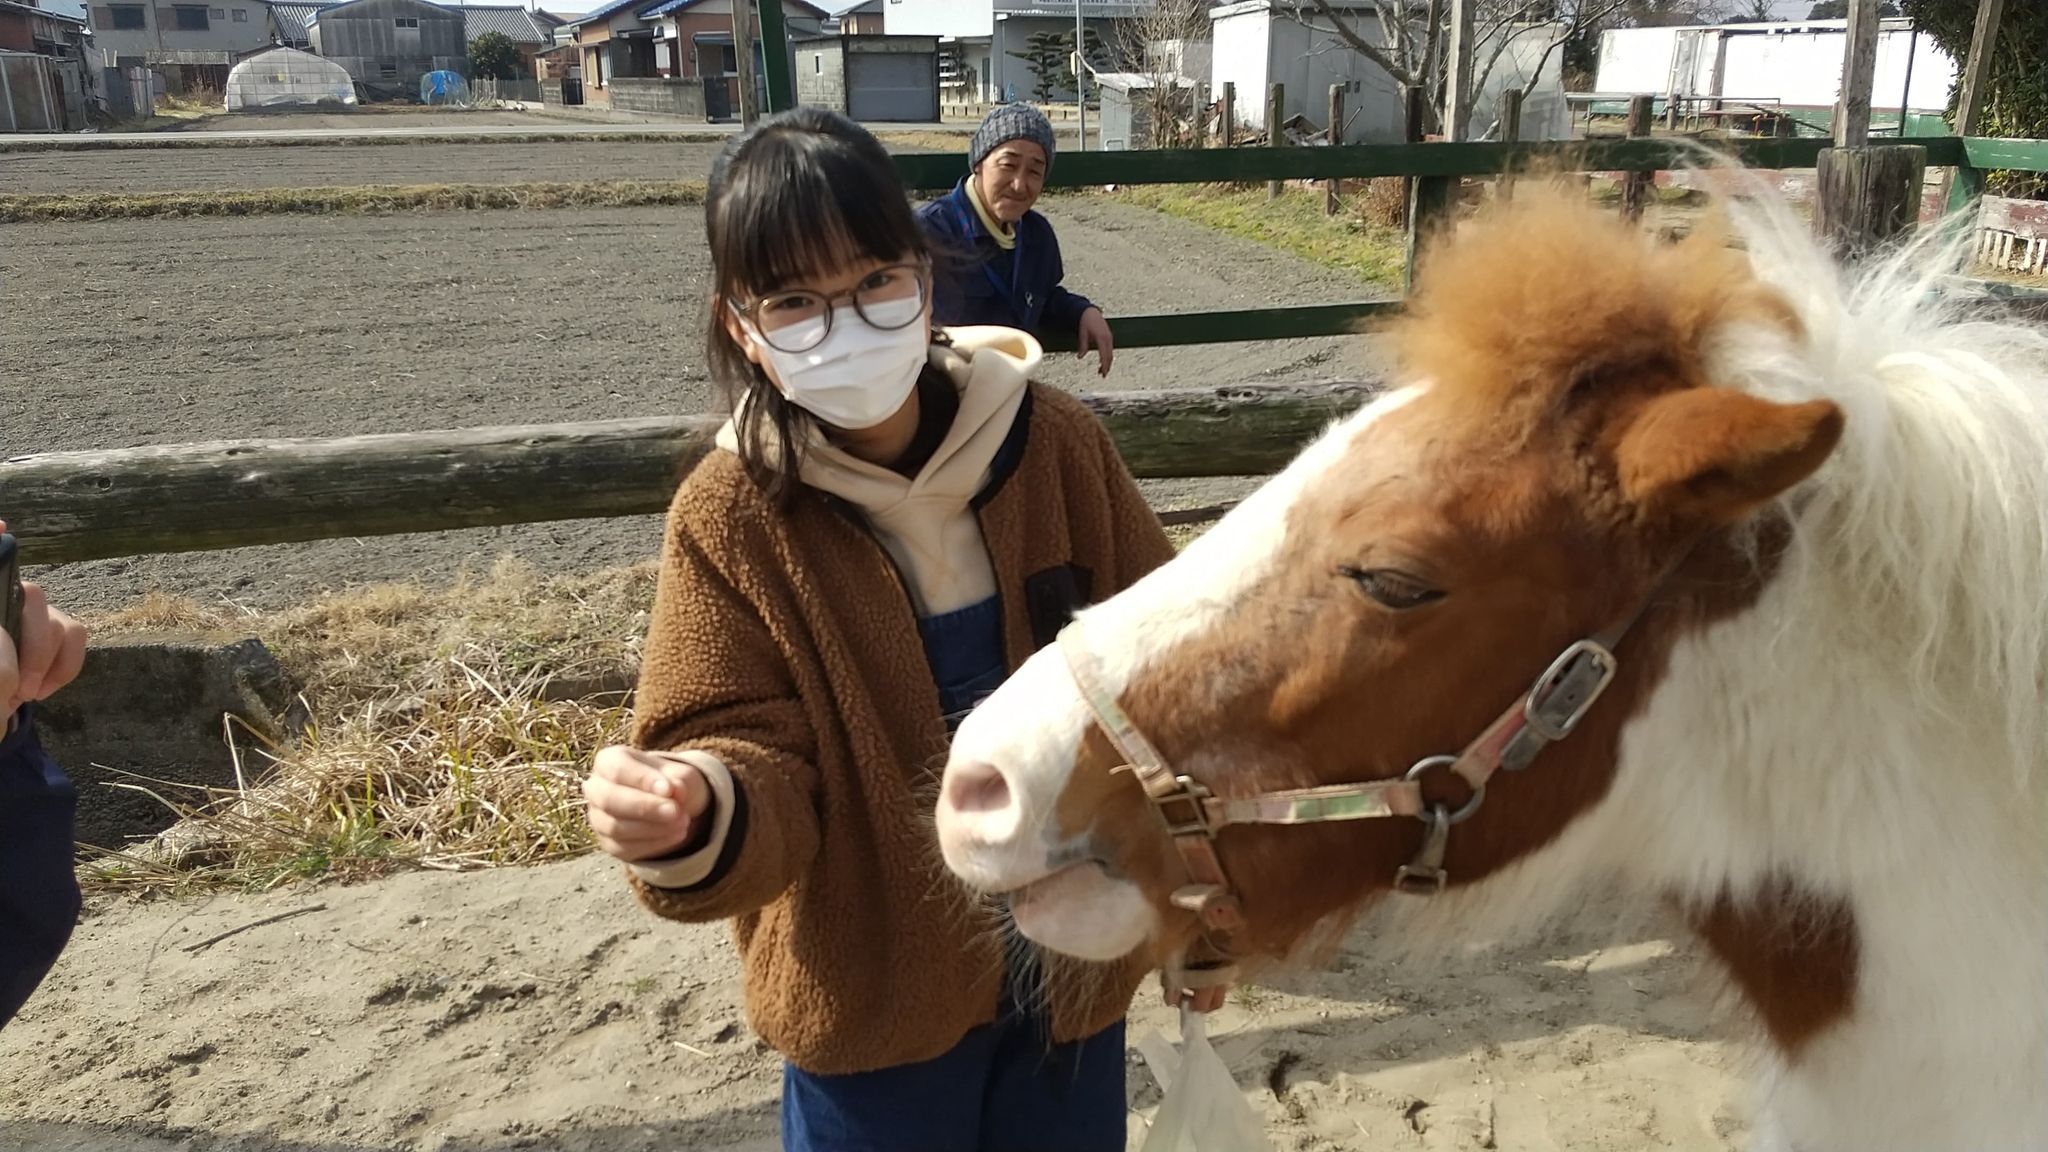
{"type": "Point", "coordinates": [90, 505]}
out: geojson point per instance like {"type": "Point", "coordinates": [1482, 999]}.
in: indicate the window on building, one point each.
{"type": "Point", "coordinates": [729, 60]}
{"type": "Point", "coordinates": [219, 14]}
{"type": "Point", "coordinates": [389, 71]}
{"type": "Point", "coordinates": [190, 19]}
{"type": "Point", "coordinates": [407, 21]}
{"type": "Point", "coordinates": [128, 17]}
{"type": "Point", "coordinates": [818, 64]}
{"type": "Point", "coordinates": [241, 15]}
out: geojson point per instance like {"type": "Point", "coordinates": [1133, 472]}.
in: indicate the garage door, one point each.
{"type": "Point", "coordinates": [892, 86]}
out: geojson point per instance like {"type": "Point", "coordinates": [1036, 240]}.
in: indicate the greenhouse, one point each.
{"type": "Point", "coordinates": [285, 77]}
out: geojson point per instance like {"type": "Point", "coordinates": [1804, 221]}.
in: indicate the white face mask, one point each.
{"type": "Point", "coordinates": [860, 375]}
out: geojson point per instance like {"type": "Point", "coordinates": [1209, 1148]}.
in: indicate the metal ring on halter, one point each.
{"type": "Point", "coordinates": [1478, 793]}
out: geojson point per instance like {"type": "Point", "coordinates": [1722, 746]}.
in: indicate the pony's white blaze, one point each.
{"type": "Point", "coordinates": [1030, 729]}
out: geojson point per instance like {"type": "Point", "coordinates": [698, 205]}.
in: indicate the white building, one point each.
{"type": "Point", "coordinates": [1796, 65]}
{"type": "Point", "coordinates": [985, 37]}
{"type": "Point", "coordinates": [1258, 43]}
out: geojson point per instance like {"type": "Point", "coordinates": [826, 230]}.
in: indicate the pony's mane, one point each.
{"type": "Point", "coordinates": [1925, 537]}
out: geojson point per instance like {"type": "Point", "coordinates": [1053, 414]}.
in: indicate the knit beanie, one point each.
{"type": "Point", "coordinates": [1007, 123]}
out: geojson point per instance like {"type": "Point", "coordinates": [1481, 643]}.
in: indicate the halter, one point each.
{"type": "Point", "coordinates": [1548, 712]}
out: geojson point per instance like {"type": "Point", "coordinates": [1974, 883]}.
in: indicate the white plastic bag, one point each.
{"type": "Point", "coordinates": [1203, 1110]}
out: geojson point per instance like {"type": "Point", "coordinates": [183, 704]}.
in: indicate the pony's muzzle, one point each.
{"type": "Point", "coordinates": [980, 819]}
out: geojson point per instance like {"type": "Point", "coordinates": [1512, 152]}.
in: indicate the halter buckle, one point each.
{"type": "Point", "coordinates": [1566, 692]}
{"type": "Point", "coordinates": [1192, 816]}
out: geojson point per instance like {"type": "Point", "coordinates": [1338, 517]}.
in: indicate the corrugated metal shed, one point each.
{"type": "Point", "coordinates": [293, 22]}
{"type": "Point", "coordinates": [387, 45]}
{"type": "Point", "coordinates": [515, 24]}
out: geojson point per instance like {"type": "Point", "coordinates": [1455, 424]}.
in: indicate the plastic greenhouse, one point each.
{"type": "Point", "coordinates": [284, 77]}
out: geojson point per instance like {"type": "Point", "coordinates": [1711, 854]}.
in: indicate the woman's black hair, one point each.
{"type": "Point", "coordinates": [798, 194]}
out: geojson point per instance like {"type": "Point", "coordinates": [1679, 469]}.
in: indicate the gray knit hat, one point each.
{"type": "Point", "coordinates": [1007, 123]}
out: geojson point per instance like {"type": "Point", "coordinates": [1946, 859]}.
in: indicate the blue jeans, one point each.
{"type": "Point", "coordinates": [999, 1090]}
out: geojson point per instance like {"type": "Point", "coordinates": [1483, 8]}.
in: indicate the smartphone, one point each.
{"type": "Point", "coordinates": [10, 590]}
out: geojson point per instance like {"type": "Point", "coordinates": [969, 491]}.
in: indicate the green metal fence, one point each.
{"type": "Point", "coordinates": [926, 172]}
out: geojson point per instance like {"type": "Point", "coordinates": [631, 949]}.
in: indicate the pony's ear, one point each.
{"type": "Point", "coordinates": [1717, 455]}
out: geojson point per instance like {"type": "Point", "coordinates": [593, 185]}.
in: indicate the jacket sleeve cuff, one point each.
{"type": "Point", "coordinates": [695, 867]}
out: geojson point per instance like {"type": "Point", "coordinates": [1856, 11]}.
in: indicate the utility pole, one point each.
{"type": "Point", "coordinates": [743, 59]}
{"type": "Point", "coordinates": [1080, 73]}
{"type": "Point", "coordinates": [1457, 84]}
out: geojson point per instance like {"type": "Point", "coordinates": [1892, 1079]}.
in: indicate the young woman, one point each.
{"type": "Point", "coordinates": [892, 521]}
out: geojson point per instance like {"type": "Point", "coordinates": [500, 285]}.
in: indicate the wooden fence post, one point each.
{"type": "Point", "coordinates": [1227, 129]}
{"type": "Point", "coordinates": [1510, 132]}
{"type": "Point", "coordinates": [1431, 199]}
{"type": "Point", "coordinates": [1962, 184]}
{"type": "Point", "coordinates": [1276, 110]}
{"type": "Point", "coordinates": [1859, 76]}
{"type": "Point", "coordinates": [1868, 195]}
{"type": "Point", "coordinates": [1635, 186]}
{"type": "Point", "coordinates": [1332, 193]}
{"type": "Point", "coordinates": [1201, 116]}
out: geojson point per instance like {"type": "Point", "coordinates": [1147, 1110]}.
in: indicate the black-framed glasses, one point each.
{"type": "Point", "coordinates": [889, 298]}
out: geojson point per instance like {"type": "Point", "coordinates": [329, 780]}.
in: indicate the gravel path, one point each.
{"type": "Point", "coordinates": [166, 331]}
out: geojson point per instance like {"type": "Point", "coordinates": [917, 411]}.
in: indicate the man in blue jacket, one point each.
{"type": "Point", "coordinates": [1012, 266]}
{"type": "Point", "coordinates": [39, 898]}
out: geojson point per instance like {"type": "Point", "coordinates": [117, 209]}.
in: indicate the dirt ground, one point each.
{"type": "Point", "coordinates": [188, 169]}
{"type": "Point", "coordinates": [411, 117]}
{"type": "Point", "coordinates": [541, 1008]}
{"type": "Point", "coordinates": [168, 331]}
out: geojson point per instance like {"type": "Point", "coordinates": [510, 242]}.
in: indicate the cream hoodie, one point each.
{"type": "Point", "coordinates": [926, 522]}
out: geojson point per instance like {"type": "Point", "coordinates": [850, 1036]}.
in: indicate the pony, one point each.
{"type": "Point", "coordinates": [1715, 568]}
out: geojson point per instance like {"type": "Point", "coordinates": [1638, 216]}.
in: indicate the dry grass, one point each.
{"type": "Point", "coordinates": [450, 730]}
{"type": "Point", "coordinates": [370, 199]}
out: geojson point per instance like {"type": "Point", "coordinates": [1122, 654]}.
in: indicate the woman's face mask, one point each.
{"type": "Point", "coordinates": [856, 365]}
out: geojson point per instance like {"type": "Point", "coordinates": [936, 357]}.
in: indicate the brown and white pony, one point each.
{"type": "Point", "coordinates": [1800, 514]}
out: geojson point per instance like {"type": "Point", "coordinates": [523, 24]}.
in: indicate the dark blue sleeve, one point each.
{"type": "Point", "coordinates": [947, 255]}
{"type": "Point", "coordinates": [1063, 307]}
{"type": "Point", "coordinates": [39, 898]}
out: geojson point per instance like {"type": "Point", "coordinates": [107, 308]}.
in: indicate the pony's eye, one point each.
{"type": "Point", "coordinates": [1396, 590]}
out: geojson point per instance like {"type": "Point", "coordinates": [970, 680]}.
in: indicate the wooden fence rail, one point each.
{"type": "Point", "coordinates": [71, 506]}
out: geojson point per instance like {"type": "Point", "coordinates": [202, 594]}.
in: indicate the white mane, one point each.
{"type": "Point", "coordinates": [1925, 537]}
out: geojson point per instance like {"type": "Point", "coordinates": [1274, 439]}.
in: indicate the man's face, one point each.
{"type": "Point", "coordinates": [1011, 178]}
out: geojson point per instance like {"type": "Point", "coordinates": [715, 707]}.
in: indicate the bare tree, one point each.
{"type": "Point", "coordinates": [1412, 35]}
{"type": "Point", "coordinates": [1167, 45]}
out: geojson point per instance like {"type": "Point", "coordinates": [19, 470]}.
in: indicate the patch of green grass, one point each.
{"type": "Point", "coordinates": [367, 200]}
{"type": "Point", "coordinates": [1294, 223]}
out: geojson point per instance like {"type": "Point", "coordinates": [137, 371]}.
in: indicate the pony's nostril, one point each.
{"type": "Point", "coordinates": [976, 787]}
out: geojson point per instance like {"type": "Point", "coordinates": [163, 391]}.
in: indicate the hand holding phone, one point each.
{"type": "Point", "coordinates": [46, 648]}
{"type": "Point", "coordinates": [12, 596]}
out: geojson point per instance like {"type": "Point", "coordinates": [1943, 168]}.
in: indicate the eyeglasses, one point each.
{"type": "Point", "coordinates": [888, 298]}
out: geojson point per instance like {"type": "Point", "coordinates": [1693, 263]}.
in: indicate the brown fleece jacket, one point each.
{"type": "Point", "coordinates": [783, 643]}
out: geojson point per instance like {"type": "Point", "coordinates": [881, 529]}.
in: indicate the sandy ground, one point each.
{"type": "Point", "coordinates": [167, 331]}
{"type": "Point", "coordinates": [541, 1008]}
